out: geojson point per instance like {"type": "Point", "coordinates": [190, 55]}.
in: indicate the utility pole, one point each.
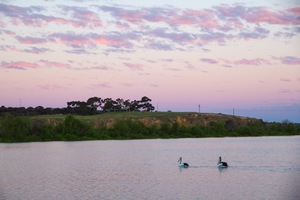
{"type": "Point", "coordinates": [199, 108]}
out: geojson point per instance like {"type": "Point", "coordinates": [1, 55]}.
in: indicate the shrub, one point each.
{"type": "Point", "coordinates": [73, 128]}
{"type": "Point", "coordinates": [14, 128]}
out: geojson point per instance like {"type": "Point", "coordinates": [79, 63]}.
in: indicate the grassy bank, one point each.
{"type": "Point", "coordinates": [135, 125]}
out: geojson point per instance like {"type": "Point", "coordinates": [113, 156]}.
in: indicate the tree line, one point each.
{"type": "Point", "coordinates": [94, 105]}
{"type": "Point", "coordinates": [71, 128]}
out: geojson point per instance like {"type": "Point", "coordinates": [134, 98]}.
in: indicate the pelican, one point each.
{"type": "Point", "coordinates": [222, 164]}
{"type": "Point", "coordinates": [185, 165]}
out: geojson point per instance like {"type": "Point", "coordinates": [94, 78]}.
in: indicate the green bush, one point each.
{"type": "Point", "coordinates": [73, 128]}
{"type": "Point", "coordinates": [14, 128]}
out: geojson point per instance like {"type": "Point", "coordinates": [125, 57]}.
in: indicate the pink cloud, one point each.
{"type": "Point", "coordinates": [45, 63]}
{"type": "Point", "coordinates": [285, 80]}
{"type": "Point", "coordinates": [97, 67]}
{"type": "Point", "coordinates": [211, 23]}
{"type": "Point", "coordinates": [43, 20]}
{"type": "Point", "coordinates": [257, 33]}
{"type": "Point", "coordinates": [173, 17]}
{"type": "Point", "coordinates": [152, 85]}
{"type": "Point", "coordinates": [31, 40]}
{"type": "Point", "coordinates": [20, 65]}
{"type": "Point", "coordinates": [31, 16]}
{"type": "Point", "coordinates": [295, 10]}
{"type": "Point", "coordinates": [284, 17]}
{"type": "Point", "coordinates": [174, 69]}
{"type": "Point", "coordinates": [182, 20]}
{"type": "Point", "coordinates": [190, 17]}
{"type": "Point", "coordinates": [212, 36]}
{"type": "Point", "coordinates": [285, 91]}
{"type": "Point", "coordinates": [134, 66]}
{"type": "Point", "coordinates": [167, 60]}
{"type": "Point", "coordinates": [58, 20]}
{"type": "Point", "coordinates": [257, 61]}
{"type": "Point", "coordinates": [54, 64]}
{"type": "Point", "coordinates": [208, 60]}
{"type": "Point", "coordinates": [7, 48]}
{"type": "Point", "coordinates": [13, 11]}
{"type": "Point", "coordinates": [127, 84]}
{"type": "Point", "coordinates": [180, 37]}
{"type": "Point", "coordinates": [158, 45]}
{"type": "Point", "coordinates": [116, 40]}
{"type": "Point", "coordinates": [227, 66]}
{"type": "Point", "coordinates": [203, 18]}
{"type": "Point", "coordinates": [290, 60]}
{"type": "Point", "coordinates": [226, 11]}
{"type": "Point", "coordinates": [78, 49]}
{"type": "Point", "coordinates": [189, 65]}
{"type": "Point", "coordinates": [36, 50]}
{"type": "Point", "coordinates": [71, 38]}
{"type": "Point", "coordinates": [84, 17]}
{"type": "Point", "coordinates": [219, 25]}
{"type": "Point", "coordinates": [27, 65]}
{"type": "Point", "coordinates": [121, 25]}
{"type": "Point", "coordinates": [2, 24]}
{"type": "Point", "coordinates": [132, 16]}
{"type": "Point", "coordinates": [100, 85]}
{"type": "Point", "coordinates": [7, 32]}
{"type": "Point", "coordinates": [51, 87]}
{"type": "Point", "coordinates": [259, 14]}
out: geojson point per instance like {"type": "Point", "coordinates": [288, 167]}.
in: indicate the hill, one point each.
{"type": "Point", "coordinates": [136, 125]}
{"type": "Point", "coordinates": [156, 118]}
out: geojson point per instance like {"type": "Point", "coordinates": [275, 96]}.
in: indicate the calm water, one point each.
{"type": "Point", "coordinates": [259, 168]}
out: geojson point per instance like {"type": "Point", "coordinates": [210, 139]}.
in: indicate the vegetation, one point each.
{"type": "Point", "coordinates": [135, 125]}
{"type": "Point", "coordinates": [92, 106]}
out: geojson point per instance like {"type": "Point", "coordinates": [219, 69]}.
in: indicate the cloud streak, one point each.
{"type": "Point", "coordinates": [51, 87]}
{"type": "Point", "coordinates": [20, 65]}
{"type": "Point", "coordinates": [290, 60]}
{"type": "Point", "coordinates": [208, 60]}
{"type": "Point", "coordinates": [134, 66]}
{"type": "Point", "coordinates": [37, 50]}
{"type": "Point", "coordinates": [31, 40]}
{"type": "Point", "coordinates": [256, 62]}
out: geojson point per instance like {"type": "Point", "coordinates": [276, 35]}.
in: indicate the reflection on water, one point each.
{"type": "Point", "coordinates": [259, 168]}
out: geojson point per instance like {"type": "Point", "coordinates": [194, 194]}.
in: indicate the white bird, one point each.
{"type": "Point", "coordinates": [181, 164]}
{"type": "Point", "coordinates": [222, 164]}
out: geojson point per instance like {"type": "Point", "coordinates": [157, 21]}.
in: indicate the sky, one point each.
{"type": "Point", "coordinates": [238, 57]}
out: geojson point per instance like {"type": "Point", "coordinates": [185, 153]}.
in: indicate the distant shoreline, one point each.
{"type": "Point", "coordinates": [136, 125]}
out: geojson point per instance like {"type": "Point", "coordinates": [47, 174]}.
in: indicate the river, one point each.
{"type": "Point", "coordinates": [259, 168]}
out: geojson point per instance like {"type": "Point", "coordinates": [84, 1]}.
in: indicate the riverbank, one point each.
{"type": "Point", "coordinates": [136, 125]}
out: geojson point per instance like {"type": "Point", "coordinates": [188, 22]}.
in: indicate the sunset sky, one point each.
{"type": "Point", "coordinates": [242, 55]}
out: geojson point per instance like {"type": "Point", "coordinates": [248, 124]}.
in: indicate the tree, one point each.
{"type": "Point", "coordinates": [145, 104]}
{"type": "Point", "coordinates": [119, 104]}
{"type": "Point", "coordinates": [126, 104]}
{"type": "Point", "coordinates": [94, 103]}
{"type": "Point", "coordinates": [134, 105]}
{"type": "Point", "coordinates": [108, 105]}
{"type": "Point", "coordinates": [39, 110]}
{"type": "Point", "coordinates": [79, 107]}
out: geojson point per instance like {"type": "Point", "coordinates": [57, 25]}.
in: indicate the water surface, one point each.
{"type": "Point", "coordinates": [259, 168]}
